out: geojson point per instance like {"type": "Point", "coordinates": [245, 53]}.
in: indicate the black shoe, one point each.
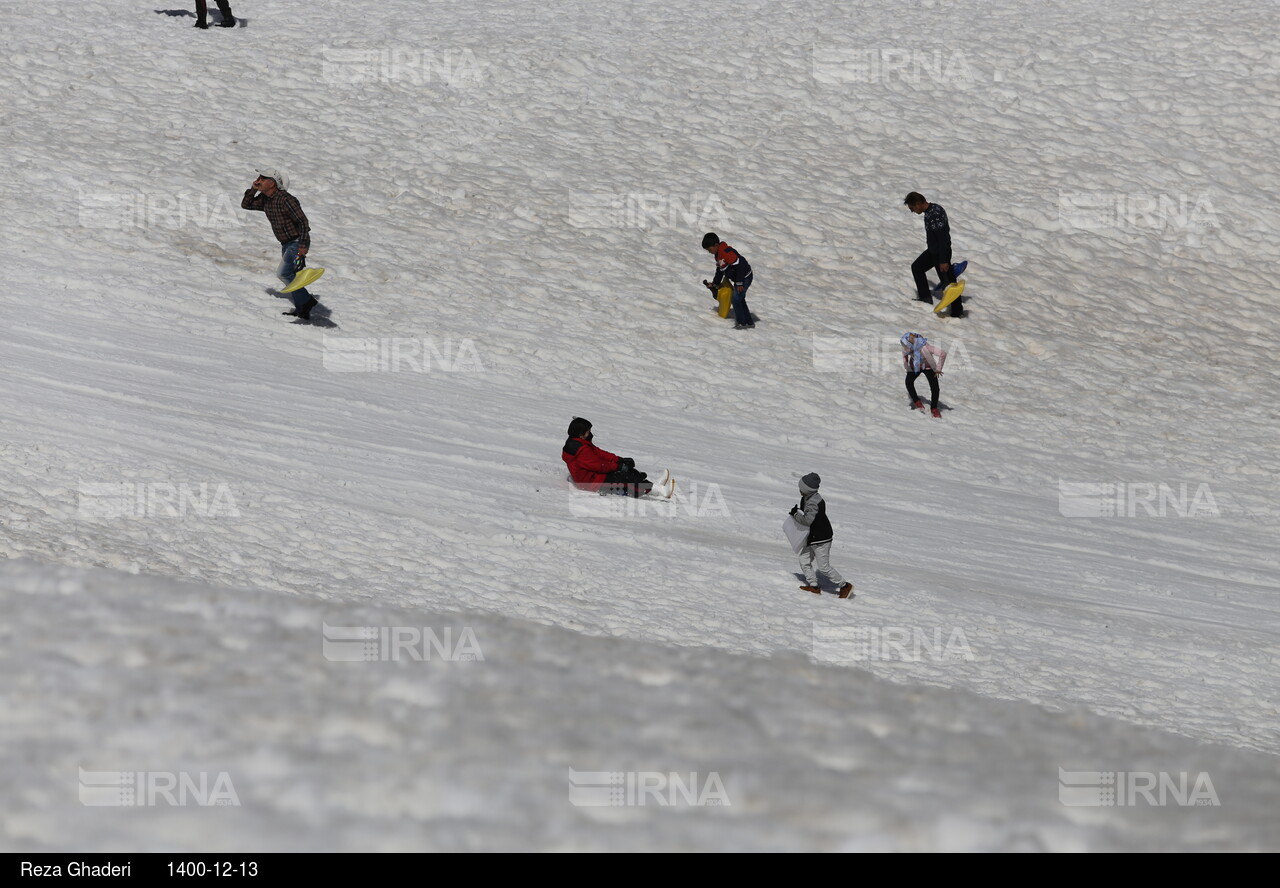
{"type": "Point", "coordinates": [304, 313]}
{"type": "Point", "coordinates": [227, 23]}
{"type": "Point", "coordinates": [203, 25]}
{"type": "Point", "coordinates": [924, 300]}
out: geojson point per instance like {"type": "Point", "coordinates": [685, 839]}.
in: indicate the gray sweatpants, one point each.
{"type": "Point", "coordinates": [821, 555]}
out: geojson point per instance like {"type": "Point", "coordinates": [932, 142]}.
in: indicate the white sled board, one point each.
{"type": "Point", "coordinates": [797, 533]}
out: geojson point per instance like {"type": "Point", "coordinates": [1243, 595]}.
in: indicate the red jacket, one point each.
{"type": "Point", "coordinates": [730, 264]}
{"type": "Point", "coordinates": [587, 463]}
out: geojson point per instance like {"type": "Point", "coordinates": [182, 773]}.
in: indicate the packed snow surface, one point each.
{"type": "Point", "coordinates": [1074, 571]}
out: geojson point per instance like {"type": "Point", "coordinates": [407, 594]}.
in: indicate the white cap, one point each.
{"type": "Point", "coordinates": [281, 180]}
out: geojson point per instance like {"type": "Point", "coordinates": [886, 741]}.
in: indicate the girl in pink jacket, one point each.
{"type": "Point", "coordinates": [918, 356]}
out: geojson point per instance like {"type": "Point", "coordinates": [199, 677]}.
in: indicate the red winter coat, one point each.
{"type": "Point", "coordinates": [730, 264]}
{"type": "Point", "coordinates": [587, 463]}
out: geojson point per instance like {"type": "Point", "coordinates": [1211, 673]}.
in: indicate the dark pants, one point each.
{"type": "Point", "coordinates": [927, 260]}
{"type": "Point", "coordinates": [741, 314]}
{"type": "Point", "coordinates": [224, 7]}
{"type": "Point", "coordinates": [933, 386]}
{"type": "Point", "coordinates": [631, 482]}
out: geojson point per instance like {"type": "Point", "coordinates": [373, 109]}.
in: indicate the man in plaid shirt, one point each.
{"type": "Point", "coordinates": [289, 225]}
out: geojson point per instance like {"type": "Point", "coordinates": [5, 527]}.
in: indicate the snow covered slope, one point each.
{"type": "Point", "coordinates": [509, 200]}
{"type": "Point", "coordinates": [515, 748]}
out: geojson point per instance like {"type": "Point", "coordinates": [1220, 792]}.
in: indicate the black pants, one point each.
{"type": "Point", "coordinates": [933, 386]}
{"type": "Point", "coordinates": [631, 482]}
{"type": "Point", "coordinates": [224, 7]}
{"type": "Point", "coordinates": [929, 259]}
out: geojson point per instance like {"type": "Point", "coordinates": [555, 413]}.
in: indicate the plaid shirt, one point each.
{"type": "Point", "coordinates": [288, 222]}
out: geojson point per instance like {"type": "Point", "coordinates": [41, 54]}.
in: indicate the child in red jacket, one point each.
{"type": "Point", "coordinates": [733, 267]}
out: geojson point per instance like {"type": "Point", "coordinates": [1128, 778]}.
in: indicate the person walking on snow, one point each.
{"type": "Point", "coordinates": [224, 7]}
{"type": "Point", "coordinates": [269, 194]}
{"type": "Point", "coordinates": [592, 468]}
{"type": "Point", "coordinates": [815, 557]}
{"type": "Point", "coordinates": [732, 265]}
{"type": "Point", "coordinates": [918, 356]}
{"type": "Point", "coordinates": [937, 253]}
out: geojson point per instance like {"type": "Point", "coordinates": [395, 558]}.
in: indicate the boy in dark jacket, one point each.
{"type": "Point", "coordinates": [594, 469]}
{"type": "Point", "coordinates": [733, 266]}
{"type": "Point", "coordinates": [812, 513]}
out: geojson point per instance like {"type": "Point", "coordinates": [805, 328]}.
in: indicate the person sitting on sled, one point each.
{"type": "Point", "coordinates": [592, 468]}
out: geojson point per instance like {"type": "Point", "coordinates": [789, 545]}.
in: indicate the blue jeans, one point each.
{"type": "Point", "coordinates": [286, 272]}
{"type": "Point", "coordinates": [741, 314]}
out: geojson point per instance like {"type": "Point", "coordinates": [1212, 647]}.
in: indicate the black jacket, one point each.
{"type": "Point", "coordinates": [813, 512]}
{"type": "Point", "coordinates": [937, 230]}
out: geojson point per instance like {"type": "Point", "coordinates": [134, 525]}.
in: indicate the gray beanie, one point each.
{"type": "Point", "coordinates": [809, 483]}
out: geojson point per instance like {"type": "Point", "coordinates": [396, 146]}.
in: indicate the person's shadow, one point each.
{"type": "Point", "coordinates": [320, 315]}
{"type": "Point", "coordinates": [213, 22]}
{"type": "Point", "coordinates": [319, 318]}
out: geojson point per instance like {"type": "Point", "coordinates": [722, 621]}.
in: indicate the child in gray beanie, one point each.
{"type": "Point", "coordinates": [812, 513]}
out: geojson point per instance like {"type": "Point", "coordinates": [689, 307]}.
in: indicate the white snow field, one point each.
{"type": "Point", "coordinates": [1067, 622]}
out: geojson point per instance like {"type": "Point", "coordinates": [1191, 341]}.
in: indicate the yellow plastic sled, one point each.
{"type": "Point", "coordinates": [302, 278]}
{"type": "Point", "coordinates": [949, 295]}
{"type": "Point", "coordinates": [724, 296]}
